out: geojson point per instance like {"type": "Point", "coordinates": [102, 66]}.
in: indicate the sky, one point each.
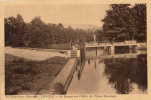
{"type": "Point", "coordinates": [63, 13]}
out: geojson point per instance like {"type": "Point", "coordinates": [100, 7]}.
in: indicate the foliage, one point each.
{"type": "Point", "coordinates": [39, 34]}
{"type": "Point", "coordinates": [123, 22]}
{"type": "Point", "coordinates": [14, 28]}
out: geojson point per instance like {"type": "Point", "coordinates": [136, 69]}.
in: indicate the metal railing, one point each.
{"type": "Point", "coordinates": [109, 43]}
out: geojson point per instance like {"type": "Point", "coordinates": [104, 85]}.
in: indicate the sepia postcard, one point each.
{"type": "Point", "coordinates": [75, 49]}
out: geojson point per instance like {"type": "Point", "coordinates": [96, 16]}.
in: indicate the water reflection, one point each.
{"type": "Point", "coordinates": [80, 69]}
{"type": "Point", "coordinates": [123, 73]}
{"type": "Point", "coordinates": [109, 75]}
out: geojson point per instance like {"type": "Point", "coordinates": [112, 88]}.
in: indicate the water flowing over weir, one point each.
{"type": "Point", "coordinates": [125, 72]}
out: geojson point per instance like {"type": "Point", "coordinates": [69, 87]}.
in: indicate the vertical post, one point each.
{"type": "Point", "coordinates": [136, 47]}
{"type": "Point", "coordinates": [82, 51]}
{"type": "Point", "coordinates": [96, 51]}
{"type": "Point", "coordinates": [112, 50]}
{"type": "Point", "coordinates": [94, 36]}
{"type": "Point", "coordinates": [131, 47]}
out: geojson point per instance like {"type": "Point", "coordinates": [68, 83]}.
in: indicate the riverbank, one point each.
{"type": "Point", "coordinates": [24, 76]}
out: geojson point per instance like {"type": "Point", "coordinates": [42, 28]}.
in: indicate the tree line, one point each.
{"type": "Point", "coordinates": [124, 22]}
{"type": "Point", "coordinates": [39, 34]}
{"type": "Point", "coordinates": [121, 22]}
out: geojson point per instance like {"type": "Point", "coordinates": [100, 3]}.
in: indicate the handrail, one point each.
{"type": "Point", "coordinates": [105, 43]}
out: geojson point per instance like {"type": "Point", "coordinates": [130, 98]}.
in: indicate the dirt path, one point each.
{"type": "Point", "coordinates": [32, 54]}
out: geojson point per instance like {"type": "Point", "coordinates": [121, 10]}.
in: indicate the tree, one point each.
{"type": "Point", "coordinates": [39, 34]}
{"type": "Point", "coordinates": [125, 22]}
{"type": "Point", "coordinates": [61, 25]}
{"type": "Point", "coordinates": [139, 13]}
{"type": "Point", "coordinates": [14, 30]}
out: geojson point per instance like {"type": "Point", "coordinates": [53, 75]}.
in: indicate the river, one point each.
{"type": "Point", "coordinates": [124, 72]}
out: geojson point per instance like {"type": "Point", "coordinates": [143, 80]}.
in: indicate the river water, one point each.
{"type": "Point", "coordinates": [124, 72]}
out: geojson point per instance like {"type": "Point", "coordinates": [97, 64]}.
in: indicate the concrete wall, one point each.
{"type": "Point", "coordinates": [63, 79]}
{"type": "Point", "coordinates": [69, 53]}
{"type": "Point", "coordinates": [78, 53]}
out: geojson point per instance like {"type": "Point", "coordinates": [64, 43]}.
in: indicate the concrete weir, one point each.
{"type": "Point", "coordinates": [63, 79]}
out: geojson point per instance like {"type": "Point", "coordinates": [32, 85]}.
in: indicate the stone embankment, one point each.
{"type": "Point", "coordinates": [62, 81]}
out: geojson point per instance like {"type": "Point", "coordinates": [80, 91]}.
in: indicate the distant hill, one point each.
{"type": "Point", "coordinates": [82, 26]}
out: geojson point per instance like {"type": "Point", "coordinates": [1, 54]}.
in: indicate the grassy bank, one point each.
{"type": "Point", "coordinates": [29, 77]}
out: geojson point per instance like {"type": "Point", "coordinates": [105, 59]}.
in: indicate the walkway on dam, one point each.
{"type": "Point", "coordinates": [97, 44]}
{"type": "Point", "coordinates": [63, 79]}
